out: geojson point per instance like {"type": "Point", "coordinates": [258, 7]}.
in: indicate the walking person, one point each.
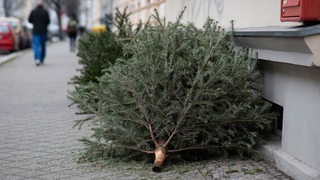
{"type": "Point", "coordinates": [72, 30]}
{"type": "Point", "coordinates": [39, 18]}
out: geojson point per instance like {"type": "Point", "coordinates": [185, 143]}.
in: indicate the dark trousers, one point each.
{"type": "Point", "coordinates": [73, 41]}
{"type": "Point", "coordinates": [39, 46]}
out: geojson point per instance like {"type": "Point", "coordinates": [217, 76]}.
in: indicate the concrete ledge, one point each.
{"type": "Point", "coordinates": [287, 163]}
{"type": "Point", "coordinates": [278, 31]}
{"type": "Point", "coordinates": [294, 58]}
{"type": "Point", "coordinates": [285, 43]}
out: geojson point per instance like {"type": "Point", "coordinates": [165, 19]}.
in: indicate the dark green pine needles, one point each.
{"type": "Point", "coordinates": [183, 90]}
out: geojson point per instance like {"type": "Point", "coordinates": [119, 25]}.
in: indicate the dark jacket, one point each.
{"type": "Point", "coordinates": [40, 19]}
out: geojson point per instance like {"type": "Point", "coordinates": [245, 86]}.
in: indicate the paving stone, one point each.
{"type": "Point", "coordinates": [31, 174]}
{"type": "Point", "coordinates": [55, 176]}
{"type": "Point", "coordinates": [12, 177]}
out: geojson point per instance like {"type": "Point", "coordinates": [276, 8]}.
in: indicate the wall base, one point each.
{"type": "Point", "coordinates": [287, 163]}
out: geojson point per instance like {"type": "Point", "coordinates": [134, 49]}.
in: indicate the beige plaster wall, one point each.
{"type": "Point", "coordinates": [245, 13]}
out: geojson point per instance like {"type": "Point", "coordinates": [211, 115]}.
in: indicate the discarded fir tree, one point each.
{"type": "Point", "coordinates": [183, 90]}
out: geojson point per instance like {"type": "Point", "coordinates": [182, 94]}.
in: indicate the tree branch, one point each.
{"type": "Point", "coordinates": [188, 103]}
{"type": "Point", "coordinates": [142, 108]}
{"type": "Point", "coordinates": [141, 150]}
{"type": "Point", "coordinates": [225, 122]}
{"type": "Point", "coordinates": [194, 148]}
{"type": "Point", "coordinates": [152, 136]}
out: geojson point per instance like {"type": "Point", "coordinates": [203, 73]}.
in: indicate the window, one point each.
{"type": "Point", "coordinates": [4, 29]}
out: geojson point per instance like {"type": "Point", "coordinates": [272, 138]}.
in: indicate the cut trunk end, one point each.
{"type": "Point", "coordinates": [160, 156]}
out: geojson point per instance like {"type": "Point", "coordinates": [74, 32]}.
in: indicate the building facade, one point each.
{"type": "Point", "coordinates": [141, 9]}
{"type": "Point", "coordinates": [289, 62]}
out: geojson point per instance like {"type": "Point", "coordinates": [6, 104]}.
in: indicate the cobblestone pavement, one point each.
{"type": "Point", "coordinates": [38, 140]}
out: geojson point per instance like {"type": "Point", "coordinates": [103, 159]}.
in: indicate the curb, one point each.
{"type": "Point", "coordinates": [14, 55]}
{"type": "Point", "coordinates": [9, 57]}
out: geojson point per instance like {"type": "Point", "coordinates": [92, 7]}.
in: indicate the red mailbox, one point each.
{"type": "Point", "coordinates": [300, 10]}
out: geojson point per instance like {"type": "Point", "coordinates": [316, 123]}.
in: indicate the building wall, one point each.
{"type": "Point", "coordinates": [22, 12]}
{"type": "Point", "coordinates": [297, 89]}
{"type": "Point", "coordinates": [106, 7]}
{"type": "Point", "coordinates": [141, 9]}
{"type": "Point", "coordinates": [93, 11]}
{"type": "Point", "coordinates": [244, 13]}
{"type": "Point", "coordinates": [1, 8]}
{"type": "Point", "coordinates": [29, 5]}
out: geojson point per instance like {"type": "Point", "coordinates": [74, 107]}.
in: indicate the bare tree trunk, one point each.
{"type": "Point", "coordinates": [57, 5]}
{"type": "Point", "coordinates": [70, 6]}
{"type": "Point", "coordinates": [6, 7]}
{"type": "Point", "coordinates": [61, 35]}
{"type": "Point", "coordinates": [9, 6]}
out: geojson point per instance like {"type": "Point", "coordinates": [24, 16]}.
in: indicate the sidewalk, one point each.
{"type": "Point", "coordinates": [37, 140]}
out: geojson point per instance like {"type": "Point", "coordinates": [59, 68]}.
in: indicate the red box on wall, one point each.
{"type": "Point", "coordinates": [300, 10]}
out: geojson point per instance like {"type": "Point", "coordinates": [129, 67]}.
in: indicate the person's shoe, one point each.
{"type": "Point", "coordinates": [37, 63]}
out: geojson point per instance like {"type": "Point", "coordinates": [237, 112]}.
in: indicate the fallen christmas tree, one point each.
{"type": "Point", "coordinates": [182, 90]}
